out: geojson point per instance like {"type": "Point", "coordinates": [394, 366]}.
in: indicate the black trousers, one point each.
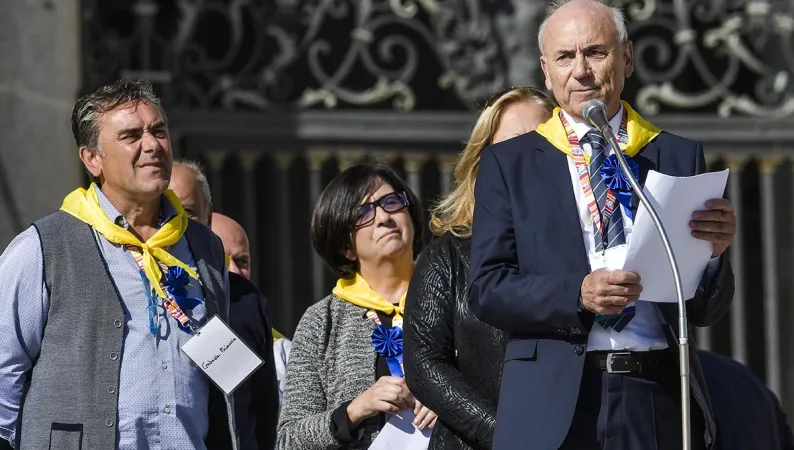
{"type": "Point", "coordinates": [631, 412]}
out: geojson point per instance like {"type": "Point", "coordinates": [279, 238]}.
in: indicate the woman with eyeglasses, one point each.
{"type": "Point", "coordinates": [346, 366]}
{"type": "Point", "coordinates": [453, 361]}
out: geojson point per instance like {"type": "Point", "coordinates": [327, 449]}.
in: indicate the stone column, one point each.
{"type": "Point", "coordinates": [773, 324]}
{"type": "Point", "coordinates": [39, 81]}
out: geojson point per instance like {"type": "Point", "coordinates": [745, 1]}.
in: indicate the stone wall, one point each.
{"type": "Point", "coordinates": [39, 81]}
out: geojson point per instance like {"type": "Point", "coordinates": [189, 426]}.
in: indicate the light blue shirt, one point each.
{"type": "Point", "coordinates": [163, 396]}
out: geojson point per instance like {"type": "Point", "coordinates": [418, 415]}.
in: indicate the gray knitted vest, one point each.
{"type": "Point", "coordinates": [72, 398]}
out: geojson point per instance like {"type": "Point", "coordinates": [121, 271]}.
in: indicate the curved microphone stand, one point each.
{"type": "Point", "coordinates": [594, 111]}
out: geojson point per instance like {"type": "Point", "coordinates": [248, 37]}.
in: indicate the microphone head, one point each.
{"type": "Point", "coordinates": [592, 109]}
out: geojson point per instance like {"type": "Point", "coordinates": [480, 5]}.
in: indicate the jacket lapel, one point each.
{"type": "Point", "coordinates": [647, 159]}
{"type": "Point", "coordinates": [553, 169]}
{"type": "Point", "coordinates": [203, 269]}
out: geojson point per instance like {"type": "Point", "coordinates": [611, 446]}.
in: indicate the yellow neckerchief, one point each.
{"type": "Point", "coordinates": [84, 205]}
{"type": "Point", "coordinates": [358, 292]}
{"type": "Point", "coordinates": [276, 335]}
{"type": "Point", "coordinates": [640, 133]}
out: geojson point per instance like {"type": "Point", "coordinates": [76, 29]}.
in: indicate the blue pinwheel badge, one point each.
{"type": "Point", "coordinates": [618, 181]}
{"type": "Point", "coordinates": [388, 342]}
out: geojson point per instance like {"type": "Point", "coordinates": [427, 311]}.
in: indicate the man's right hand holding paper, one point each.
{"type": "Point", "coordinates": [607, 291]}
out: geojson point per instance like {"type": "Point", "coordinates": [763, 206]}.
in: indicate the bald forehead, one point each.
{"type": "Point", "coordinates": [581, 17]}
{"type": "Point", "coordinates": [573, 8]}
{"type": "Point", "coordinates": [182, 174]}
{"type": "Point", "coordinates": [228, 229]}
{"type": "Point", "coordinates": [185, 183]}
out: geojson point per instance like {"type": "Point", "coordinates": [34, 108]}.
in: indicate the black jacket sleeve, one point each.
{"type": "Point", "coordinates": [429, 346]}
{"type": "Point", "coordinates": [266, 391]}
{"type": "Point", "coordinates": [256, 401]}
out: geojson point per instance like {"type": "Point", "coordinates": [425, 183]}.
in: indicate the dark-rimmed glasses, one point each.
{"type": "Point", "coordinates": [391, 203]}
{"type": "Point", "coordinates": [499, 94]}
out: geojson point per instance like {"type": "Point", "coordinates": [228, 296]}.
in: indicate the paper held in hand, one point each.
{"type": "Point", "coordinates": [675, 199]}
{"type": "Point", "coordinates": [400, 433]}
{"type": "Point", "coordinates": [222, 355]}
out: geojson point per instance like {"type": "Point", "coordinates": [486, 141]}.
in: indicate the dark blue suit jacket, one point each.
{"type": "Point", "coordinates": [256, 400]}
{"type": "Point", "coordinates": [748, 414]}
{"type": "Point", "coordinates": [528, 261]}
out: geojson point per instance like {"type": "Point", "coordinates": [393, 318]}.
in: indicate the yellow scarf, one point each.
{"type": "Point", "coordinates": [276, 335]}
{"type": "Point", "coordinates": [358, 292]}
{"type": "Point", "coordinates": [84, 205]}
{"type": "Point", "coordinates": [640, 133]}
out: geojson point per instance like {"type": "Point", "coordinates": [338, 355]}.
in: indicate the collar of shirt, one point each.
{"type": "Point", "coordinates": [582, 127]}
{"type": "Point", "coordinates": [167, 210]}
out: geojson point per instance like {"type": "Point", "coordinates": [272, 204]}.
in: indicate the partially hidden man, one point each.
{"type": "Point", "coordinates": [587, 366]}
{"type": "Point", "coordinates": [99, 297]}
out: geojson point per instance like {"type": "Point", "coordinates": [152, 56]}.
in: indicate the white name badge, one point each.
{"type": "Point", "coordinates": [222, 355]}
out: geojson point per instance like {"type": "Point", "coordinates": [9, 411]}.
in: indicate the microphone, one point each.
{"type": "Point", "coordinates": [595, 112]}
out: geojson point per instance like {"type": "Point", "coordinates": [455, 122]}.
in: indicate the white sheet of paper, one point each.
{"type": "Point", "coordinates": [222, 355]}
{"type": "Point", "coordinates": [399, 433]}
{"type": "Point", "coordinates": [675, 199]}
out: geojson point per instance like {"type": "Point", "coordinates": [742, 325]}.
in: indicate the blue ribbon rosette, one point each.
{"type": "Point", "coordinates": [618, 181]}
{"type": "Point", "coordinates": [175, 282]}
{"type": "Point", "coordinates": [176, 278]}
{"type": "Point", "coordinates": [388, 342]}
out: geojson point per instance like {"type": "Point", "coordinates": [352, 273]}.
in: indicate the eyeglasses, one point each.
{"type": "Point", "coordinates": [501, 93]}
{"type": "Point", "coordinates": [391, 203]}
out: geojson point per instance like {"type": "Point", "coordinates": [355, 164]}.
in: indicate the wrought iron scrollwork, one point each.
{"type": "Point", "coordinates": [715, 55]}
{"type": "Point", "coordinates": [728, 56]}
{"type": "Point", "coordinates": [312, 53]}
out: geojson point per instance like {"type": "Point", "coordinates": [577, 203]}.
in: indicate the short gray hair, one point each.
{"type": "Point", "coordinates": [197, 170]}
{"type": "Point", "coordinates": [617, 17]}
{"type": "Point", "coordinates": [88, 109]}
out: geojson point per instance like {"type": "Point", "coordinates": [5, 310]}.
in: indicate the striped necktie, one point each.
{"type": "Point", "coordinates": [614, 234]}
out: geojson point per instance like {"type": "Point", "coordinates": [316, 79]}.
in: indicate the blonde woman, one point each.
{"type": "Point", "coordinates": [453, 361]}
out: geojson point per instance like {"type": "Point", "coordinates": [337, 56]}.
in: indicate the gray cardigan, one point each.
{"type": "Point", "coordinates": [332, 361]}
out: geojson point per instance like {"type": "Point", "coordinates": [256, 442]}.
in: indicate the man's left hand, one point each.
{"type": "Point", "coordinates": [717, 224]}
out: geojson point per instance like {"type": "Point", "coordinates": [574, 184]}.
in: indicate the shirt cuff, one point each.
{"type": "Point", "coordinates": [340, 426]}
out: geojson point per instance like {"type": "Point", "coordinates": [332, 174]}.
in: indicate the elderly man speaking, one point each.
{"type": "Point", "coordinates": [539, 231]}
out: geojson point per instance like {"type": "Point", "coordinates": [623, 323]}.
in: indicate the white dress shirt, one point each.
{"type": "Point", "coordinates": [644, 332]}
{"type": "Point", "coordinates": [281, 349]}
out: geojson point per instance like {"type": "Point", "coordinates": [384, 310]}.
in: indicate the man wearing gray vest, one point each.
{"type": "Point", "coordinates": [99, 297]}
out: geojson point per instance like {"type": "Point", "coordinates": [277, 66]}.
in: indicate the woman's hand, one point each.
{"type": "Point", "coordinates": [424, 417]}
{"type": "Point", "coordinates": [388, 394]}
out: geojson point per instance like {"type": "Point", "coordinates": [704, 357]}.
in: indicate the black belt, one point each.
{"type": "Point", "coordinates": [632, 362]}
